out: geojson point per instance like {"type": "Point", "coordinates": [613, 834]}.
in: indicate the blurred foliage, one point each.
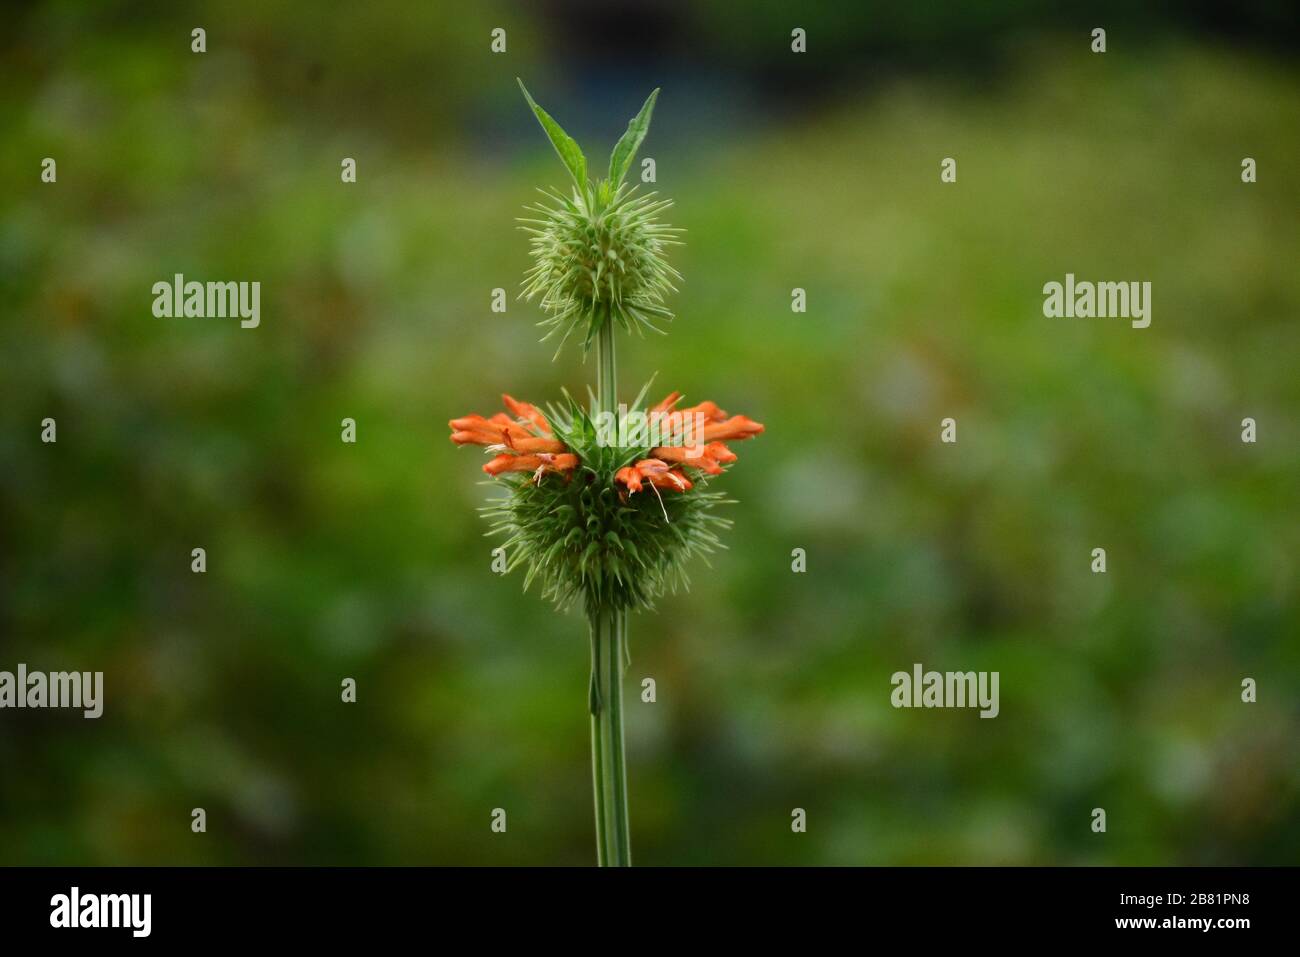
{"type": "Point", "coordinates": [328, 560]}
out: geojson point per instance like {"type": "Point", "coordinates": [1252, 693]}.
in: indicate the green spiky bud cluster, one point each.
{"type": "Point", "coordinates": [581, 539]}
{"type": "Point", "coordinates": [599, 253]}
{"type": "Point", "coordinates": [595, 263]}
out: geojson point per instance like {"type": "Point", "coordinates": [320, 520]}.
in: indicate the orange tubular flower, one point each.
{"type": "Point", "coordinates": [737, 427]}
{"type": "Point", "coordinates": [523, 448]}
{"type": "Point", "coordinates": [709, 459]}
{"type": "Point", "coordinates": [538, 464]}
{"type": "Point", "coordinates": [526, 411]}
{"type": "Point", "coordinates": [629, 477]}
{"type": "Point", "coordinates": [670, 400]}
{"type": "Point", "coordinates": [657, 473]}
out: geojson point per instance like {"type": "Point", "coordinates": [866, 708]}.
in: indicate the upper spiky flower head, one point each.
{"type": "Point", "coordinates": [598, 254]}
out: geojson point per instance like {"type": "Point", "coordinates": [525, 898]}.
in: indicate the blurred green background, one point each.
{"type": "Point", "coordinates": [328, 561]}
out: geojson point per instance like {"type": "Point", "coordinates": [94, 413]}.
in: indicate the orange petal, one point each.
{"type": "Point", "coordinates": [684, 455]}
{"type": "Point", "coordinates": [709, 410]}
{"type": "Point", "coordinates": [675, 480]}
{"type": "Point", "coordinates": [629, 477]}
{"type": "Point", "coordinates": [670, 453]}
{"type": "Point", "coordinates": [505, 462]}
{"type": "Point", "coordinates": [656, 472]}
{"type": "Point", "coordinates": [720, 453]}
{"type": "Point", "coordinates": [737, 427]}
{"type": "Point", "coordinates": [535, 444]}
{"type": "Point", "coordinates": [665, 404]}
{"type": "Point", "coordinates": [527, 411]}
{"type": "Point", "coordinates": [501, 420]}
{"type": "Point", "coordinates": [468, 423]}
{"type": "Point", "coordinates": [476, 437]}
{"type": "Point", "coordinates": [476, 429]}
{"type": "Point", "coordinates": [544, 461]}
{"type": "Point", "coordinates": [685, 425]}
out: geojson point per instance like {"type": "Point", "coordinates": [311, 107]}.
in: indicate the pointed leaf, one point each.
{"type": "Point", "coordinates": [564, 144]}
{"type": "Point", "coordinates": [625, 149]}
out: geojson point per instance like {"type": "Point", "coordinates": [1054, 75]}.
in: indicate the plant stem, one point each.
{"type": "Point", "coordinates": [608, 663]}
{"type": "Point", "coordinates": [608, 763]}
{"type": "Point", "coordinates": [606, 367]}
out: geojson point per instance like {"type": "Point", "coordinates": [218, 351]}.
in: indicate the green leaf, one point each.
{"type": "Point", "coordinates": [564, 144]}
{"type": "Point", "coordinates": [625, 149]}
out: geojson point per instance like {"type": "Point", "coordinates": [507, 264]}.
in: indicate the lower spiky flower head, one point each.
{"type": "Point", "coordinates": [599, 253]}
{"type": "Point", "coordinates": [612, 523]}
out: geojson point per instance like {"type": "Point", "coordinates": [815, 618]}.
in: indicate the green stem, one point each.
{"type": "Point", "coordinates": [608, 663]}
{"type": "Point", "coordinates": [608, 761]}
{"type": "Point", "coordinates": [606, 367]}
